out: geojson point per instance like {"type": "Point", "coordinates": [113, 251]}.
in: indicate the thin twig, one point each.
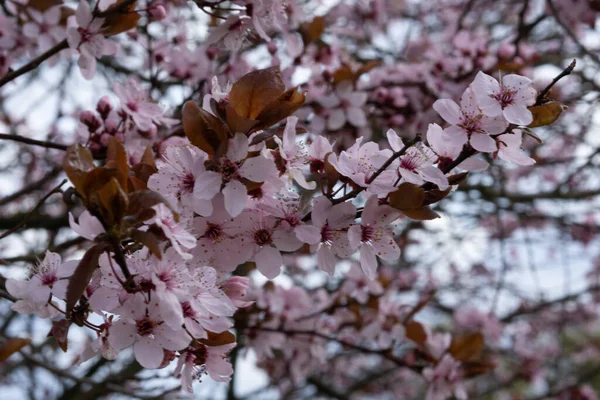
{"type": "Point", "coordinates": [41, 143]}
{"type": "Point", "coordinates": [30, 214]}
{"type": "Point", "coordinates": [565, 72]}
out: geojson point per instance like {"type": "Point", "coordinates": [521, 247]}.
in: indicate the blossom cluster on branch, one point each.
{"type": "Point", "coordinates": [189, 216]}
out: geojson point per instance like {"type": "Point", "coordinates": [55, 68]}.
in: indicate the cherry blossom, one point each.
{"type": "Point", "coordinates": [509, 98]}
{"type": "Point", "coordinates": [142, 326]}
{"type": "Point", "coordinates": [345, 104]}
{"type": "Point", "coordinates": [509, 148]}
{"type": "Point", "coordinates": [373, 237]}
{"type": "Point", "coordinates": [293, 155]}
{"type": "Point", "coordinates": [85, 36]}
{"type": "Point", "coordinates": [469, 123]}
{"type": "Point", "coordinates": [44, 27]}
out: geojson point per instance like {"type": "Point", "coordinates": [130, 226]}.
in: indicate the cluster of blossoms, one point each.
{"type": "Point", "coordinates": [238, 204]}
{"type": "Point", "coordinates": [264, 183]}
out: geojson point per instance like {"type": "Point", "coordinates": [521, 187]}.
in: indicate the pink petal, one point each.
{"type": "Point", "coordinates": [258, 169]}
{"type": "Point", "coordinates": [236, 197]}
{"type": "Point", "coordinates": [368, 262]}
{"type": "Point", "coordinates": [148, 353]}
{"type": "Point", "coordinates": [483, 143]}
{"type": "Point", "coordinates": [268, 261]}
{"type": "Point", "coordinates": [448, 110]}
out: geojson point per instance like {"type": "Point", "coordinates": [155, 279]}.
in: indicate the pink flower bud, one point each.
{"type": "Point", "coordinates": [120, 136]}
{"type": "Point", "coordinates": [110, 126]}
{"type": "Point", "coordinates": [104, 107]}
{"type": "Point", "coordinates": [104, 139]}
{"type": "Point", "coordinates": [157, 12]}
{"type": "Point", "coordinates": [89, 119]}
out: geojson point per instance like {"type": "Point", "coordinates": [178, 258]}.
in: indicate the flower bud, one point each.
{"type": "Point", "coordinates": [104, 107]}
{"type": "Point", "coordinates": [157, 12]}
{"type": "Point", "coordinates": [89, 119]}
{"type": "Point", "coordinates": [104, 138]}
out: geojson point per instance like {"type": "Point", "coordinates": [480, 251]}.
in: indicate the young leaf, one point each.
{"type": "Point", "coordinates": [281, 108]}
{"type": "Point", "coordinates": [121, 21]}
{"type": "Point", "coordinates": [114, 202]}
{"type": "Point", "coordinates": [149, 240]}
{"type": "Point", "coordinates": [82, 274]}
{"type": "Point", "coordinates": [218, 339]}
{"type": "Point", "coordinates": [77, 163]}
{"type": "Point", "coordinates": [204, 130]}
{"type": "Point", "coordinates": [407, 197]}
{"type": "Point", "coordinates": [546, 113]}
{"type": "Point", "coordinates": [116, 157]}
{"type": "Point", "coordinates": [11, 346]}
{"type": "Point", "coordinates": [255, 90]}
{"type": "Point", "coordinates": [416, 332]}
{"type": "Point", "coordinates": [424, 213]}
{"type": "Point", "coordinates": [466, 347]}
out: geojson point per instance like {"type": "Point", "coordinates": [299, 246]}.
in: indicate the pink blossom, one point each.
{"type": "Point", "coordinates": [326, 234]}
{"type": "Point", "coordinates": [84, 35]}
{"type": "Point", "coordinates": [136, 102]}
{"type": "Point", "coordinates": [293, 155]}
{"type": "Point", "coordinates": [345, 104]}
{"type": "Point", "coordinates": [211, 359]}
{"type": "Point", "coordinates": [219, 242]}
{"type": "Point", "coordinates": [509, 148]}
{"type": "Point", "coordinates": [182, 178]}
{"type": "Point", "coordinates": [181, 239]}
{"type": "Point", "coordinates": [236, 289]}
{"type": "Point", "coordinates": [447, 151]}
{"type": "Point", "coordinates": [416, 165]}
{"type": "Point", "coordinates": [267, 240]}
{"type": "Point", "coordinates": [445, 380]}
{"type": "Point", "coordinates": [142, 326]}
{"type": "Point", "coordinates": [469, 123]}
{"type": "Point", "coordinates": [231, 34]}
{"type": "Point", "coordinates": [236, 166]}
{"type": "Point", "coordinates": [49, 279]}
{"type": "Point", "coordinates": [89, 226]}
{"type": "Point", "coordinates": [360, 162]}
{"type": "Point", "coordinates": [509, 98]}
{"type": "Point", "coordinates": [44, 27]}
{"type": "Point", "coordinates": [373, 236]}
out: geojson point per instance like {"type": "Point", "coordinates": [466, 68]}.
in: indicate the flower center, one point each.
{"type": "Point", "coordinates": [133, 106]}
{"type": "Point", "coordinates": [201, 354]}
{"type": "Point", "coordinates": [471, 123]}
{"type": "Point", "coordinates": [326, 234]}
{"type": "Point", "coordinates": [505, 97]}
{"type": "Point", "coordinates": [145, 327]}
{"type": "Point", "coordinates": [262, 237]}
{"type": "Point", "coordinates": [229, 170]}
{"type": "Point", "coordinates": [367, 233]}
{"type": "Point", "coordinates": [409, 163]}
{"type": "Point", "coordinates": [188, 182]}
{"type": "Point", "coordinates": [214, 232]}
{"type": "Point", "coordinates": [85, 35]}
{"type": "Point", "coordinates": [188, 311]}
{"type": "Point", "coordinates": [48, 278]}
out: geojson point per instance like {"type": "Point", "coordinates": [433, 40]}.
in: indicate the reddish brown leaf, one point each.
{"type": "Point", "coordinates": [116, 157]}
{"type": "Point", "coordinates": [96, 179]}
{"type": "Point", "coordinates": [144, 199]}
{"type": "Point", "coordinates": [82, 274]}
{"type": "Point", "coordinates": [114, 202]}
{"type": "Point", "coordinates": [424, 213]}
{"type": "Point", "coordinates": [255, 90]}
{"type": "Point", "coordinates": [466, 347]}
{"type": "Point", "coordinates": [78, 161]}
{"type": "Point", "coordinates": [416, 332]}
{"type": "Point", "coordinates": [407, 197]}
{"type": "Point", "coordinates": [204, 130]}
{"type": "Point", "coordinates": [343, 74]}
{"type": "Point", "coordinates": [149, 240]}
{"type": "Point", "coordinates": [218, 339]}
{"type": "Point", "coordinates": [312, 31]}
{"type": "Point", "coordinates": [121, 21]}
{"type": "Point", "coordinates": [435, 195]}
{"type": "Point", "coordinates": [546, 113]}
{"type": "Point", "coordinates": [281, 108]}
{"type": "Point", "coordinates": [11, 346]}
{"type": "Point", "coordinates": [60, 331]}
{"type": "Point", "coordinates": [237, 123]}
{"type": "Point", "coordinates": [457, 179]}
{"type": "Point", "coordinates": [148, 157]}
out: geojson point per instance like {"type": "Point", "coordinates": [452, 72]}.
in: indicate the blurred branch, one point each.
{"type": "Point", "coordinates": [22, 139]}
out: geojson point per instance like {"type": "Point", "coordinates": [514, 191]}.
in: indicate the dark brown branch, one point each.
{"type": "Point", "coordinates": [32, 187]}
{"type": "Point", "coordinates": [565, 72]}
{"type": "Point", "coordinates": [33, 64]}
{"type": "Point", "coordinates": [41, 143]}
{"type": "Point", "coordinates": [32, 212]}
